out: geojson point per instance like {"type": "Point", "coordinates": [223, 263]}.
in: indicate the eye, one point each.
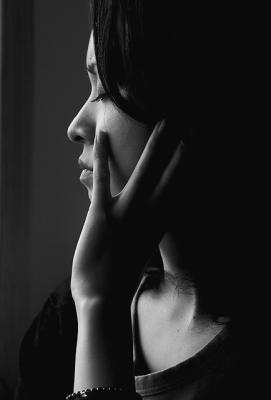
{"type": "Point", "coordinates": [94, 79]}
{"type": "Point", "coordinates": [100, 97]}
{"type": "Point", "coordinates": [101, 94]}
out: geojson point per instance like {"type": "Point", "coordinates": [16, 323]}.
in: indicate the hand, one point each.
{"type": "Point", "coordinates": [120, 232]}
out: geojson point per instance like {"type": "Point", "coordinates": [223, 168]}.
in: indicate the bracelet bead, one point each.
{"type": "Point", "coordinates": [105, 393]}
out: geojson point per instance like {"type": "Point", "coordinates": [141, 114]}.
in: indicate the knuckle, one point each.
{"type": "Point", "coordinates": [96, 155]}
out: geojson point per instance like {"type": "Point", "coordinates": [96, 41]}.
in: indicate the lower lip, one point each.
{"type": "Point", "coordinates": [86, 175]}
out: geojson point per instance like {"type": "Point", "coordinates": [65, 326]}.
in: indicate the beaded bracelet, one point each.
{"type": "Point", "coordinates": [105, 393]}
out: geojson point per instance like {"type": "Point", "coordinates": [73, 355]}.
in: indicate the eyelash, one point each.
{"type": "Point", "coordinates": [100, 97]}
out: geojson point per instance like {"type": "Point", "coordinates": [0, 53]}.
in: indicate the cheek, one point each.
{"type": "Point", "coordinates": [127, 141]}
{"type": "Point", "coordinates": [126, 152]}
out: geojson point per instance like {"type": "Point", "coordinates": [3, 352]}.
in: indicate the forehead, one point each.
{"type": "Point", "coordinates": [90, 51]}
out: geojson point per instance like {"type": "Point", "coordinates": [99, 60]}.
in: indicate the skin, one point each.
{"type": "Point", "coordinates": [127, 137]}
{"type": "Point", "coordinates": [127, 215]}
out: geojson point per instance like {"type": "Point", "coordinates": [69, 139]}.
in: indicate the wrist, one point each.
{"type": "Point", "coordinates": [104, 354]}
{"type": "Point", "coordinates": [99, 308]}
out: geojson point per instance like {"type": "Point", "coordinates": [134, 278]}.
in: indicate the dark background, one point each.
{"type": "Point", "coordinates": [43, 204]}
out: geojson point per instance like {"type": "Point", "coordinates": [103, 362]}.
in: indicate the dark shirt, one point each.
{"type": "Point", "coordinates": [47, 353]}
{"type": "Point", "coordinates": [47, 360]}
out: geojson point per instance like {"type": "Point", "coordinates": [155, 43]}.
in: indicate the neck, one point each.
{"type": "Point", "coordinates": [172, 260]}
{"type": "Point", "coordinates": [173, 265]}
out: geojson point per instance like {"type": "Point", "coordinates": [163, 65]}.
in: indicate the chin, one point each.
{"type": "Point", "coordinates": [90, 192]}
{"type": "Point", "coordinates": [116, 186]}
{"type": "Point", "coordinates": [114, 189]}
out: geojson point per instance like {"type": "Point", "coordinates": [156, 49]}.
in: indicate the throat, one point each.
{"type": "Point", "coordinates": [171, 328]}
{"type": "Point", "coordinates": [169, 332]}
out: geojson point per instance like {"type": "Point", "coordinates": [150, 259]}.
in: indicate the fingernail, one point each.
{"type": "Point", "coordinates": [162, 125]}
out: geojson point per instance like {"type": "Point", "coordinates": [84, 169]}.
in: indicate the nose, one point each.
{"type": "Point", "coordinates": [82, 128]}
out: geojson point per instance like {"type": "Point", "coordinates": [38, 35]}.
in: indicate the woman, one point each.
{"type": "Point", "coordinates": [151, 181]}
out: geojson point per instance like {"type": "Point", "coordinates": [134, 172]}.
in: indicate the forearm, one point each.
{"type": "Point", "coordinates": [104, 347]}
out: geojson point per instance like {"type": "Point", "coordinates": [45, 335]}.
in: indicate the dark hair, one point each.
{"type": "Point", "coordinates": [123, 44]}
{"type": "Point", "coordinates": [159, 53]}
{"type": "Point", "coordinates": [172, 59]}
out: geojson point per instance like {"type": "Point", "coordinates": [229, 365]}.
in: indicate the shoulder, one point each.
{"type": "Point", "coordinates": [61, 294]}
{"type": "Point", "coordinates": [56, 318]}
{"type": "Point", "coordinates": [58, 309]}
{"type": "Point", "coordinates": [60, 301]}
{"type": "Point", "coordinates": [49, 345]}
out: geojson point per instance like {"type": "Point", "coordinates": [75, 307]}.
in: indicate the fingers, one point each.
{"type": "Point", "coordinates": [169, 175]}
{"type": "Point", "coordinates": [101, 175]}
{"type": "Point", "coordinates": [161, 207]}
{"type": "Point", "coordinates": [152, 163]}
{"type": "Point", "coordinates": [166, 198]}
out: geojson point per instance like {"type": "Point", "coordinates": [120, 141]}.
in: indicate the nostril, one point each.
{"type": "Point", "coordinates": [78, 139]}
{"type": "Point", "coordinates": [82, 128]}
{"type": "Point", "coordinates": [75, 135]}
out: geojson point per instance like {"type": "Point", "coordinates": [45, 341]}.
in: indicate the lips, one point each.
{"type": "Point", "coordinates": [86, 176]}
{"type": "Point", "coordinates": [85, 173]}
{"type": "Point", "coordinates": [84, 165]}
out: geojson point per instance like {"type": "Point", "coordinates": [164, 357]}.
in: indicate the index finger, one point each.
{"type": "Point", "coordinates": [152, 163]}
{"type": "Point", "coordinates": [101, 175]}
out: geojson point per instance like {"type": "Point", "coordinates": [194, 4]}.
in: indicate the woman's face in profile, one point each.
{"type": "Point", "coordinates": [127, 137]}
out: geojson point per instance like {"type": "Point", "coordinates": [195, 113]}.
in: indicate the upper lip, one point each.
{"type": "Point", "coordinates": [84, 165]}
